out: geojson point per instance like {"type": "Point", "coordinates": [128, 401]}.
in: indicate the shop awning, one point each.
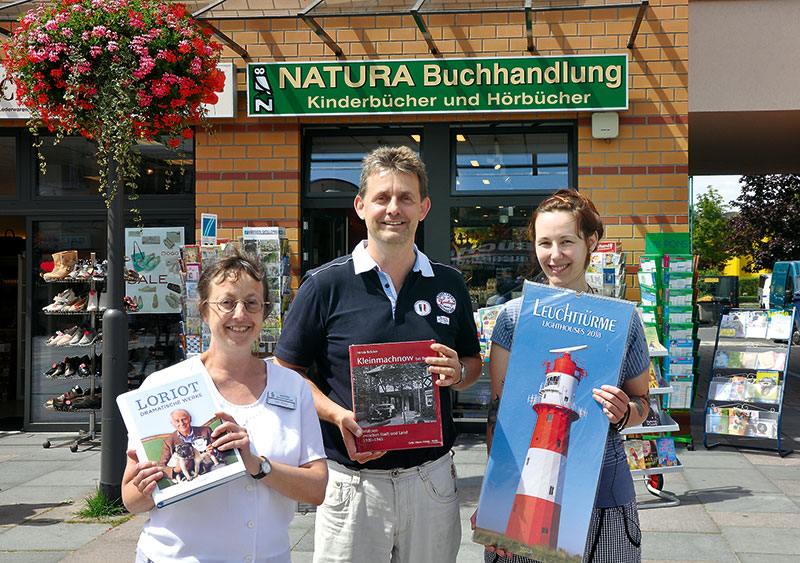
{"type": "Point", "coordinates": [314, 13]}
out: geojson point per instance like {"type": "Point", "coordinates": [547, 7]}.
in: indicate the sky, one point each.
{"type": "Point", "coordinates": [727, 186]}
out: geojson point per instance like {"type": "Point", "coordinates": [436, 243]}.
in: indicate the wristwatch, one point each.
{"type": "Point", "coordinates": [266, 468]}
{"type": "Point", "coordinates": [463, 373]}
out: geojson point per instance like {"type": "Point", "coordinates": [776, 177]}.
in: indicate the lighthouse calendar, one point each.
{"type": "Point", "coordinates": [547, 451]}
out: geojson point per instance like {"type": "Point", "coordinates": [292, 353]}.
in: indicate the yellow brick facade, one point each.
{"type": "Point", "coordinates": [249, 169]}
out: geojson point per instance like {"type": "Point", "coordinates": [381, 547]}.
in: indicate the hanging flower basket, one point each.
{"type": "Point", "coordinates": [114, 71]}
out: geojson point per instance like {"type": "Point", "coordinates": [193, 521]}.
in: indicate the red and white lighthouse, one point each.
{"type": "Point", "coordinates": [537, 505]}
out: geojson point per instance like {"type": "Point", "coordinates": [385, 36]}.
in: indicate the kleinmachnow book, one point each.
{"type": "Point", "coordinates": [394, 398]}
{"type": "Point", "coordinates": [149, 413]}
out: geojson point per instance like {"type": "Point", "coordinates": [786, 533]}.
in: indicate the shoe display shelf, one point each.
{"type": "Point", "coordinates": [75, 296]}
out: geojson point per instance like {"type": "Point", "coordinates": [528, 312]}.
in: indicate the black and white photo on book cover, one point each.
{"type": "Point", "coordinates": [394, 398]}
{"type": "Point", "coordinates": [171, 424]}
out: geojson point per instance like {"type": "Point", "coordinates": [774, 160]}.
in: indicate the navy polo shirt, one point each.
{"type": "Point", "coordinates": [336, 307]}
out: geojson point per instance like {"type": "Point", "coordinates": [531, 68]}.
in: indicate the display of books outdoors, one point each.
{"type": "Point", "coordinates": [148, 415]}
{"type": "Point", "coordinates": [742, 422]}
{"type": "Point", "coordinates": [756, 324]}
{"type": "Point", "coordinates": [541, 479]}
{"type": "Point", "coordinates": [394, 398]}
{"type": "Point", "coordinates": [665, 447]}
{"type": "Point", "coordinates": [651, 453]}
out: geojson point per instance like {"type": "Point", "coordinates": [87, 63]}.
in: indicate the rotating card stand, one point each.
{"type": "Point", "coordinates": [744, 399]}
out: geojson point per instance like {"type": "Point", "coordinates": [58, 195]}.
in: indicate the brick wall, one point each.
{"type": "Point", "coordinates": [248, 170]}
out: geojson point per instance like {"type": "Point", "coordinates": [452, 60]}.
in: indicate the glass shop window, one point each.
{"type": "Point", "coordinates": [334, 166]}
{"type": "Point", "coordinates": [8, 166]}
{"type": "Point", "coordinates": [511, 162]}
{"type": "Point", "coordinates": [490, 246]}
{"type": "Point", "coordinates": [72, 170]}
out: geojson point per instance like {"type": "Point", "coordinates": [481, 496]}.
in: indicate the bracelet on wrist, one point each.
{"type": "Point", "coordinates": [463, 373]}
{"type": "Point", "coordinates": [620, 424]}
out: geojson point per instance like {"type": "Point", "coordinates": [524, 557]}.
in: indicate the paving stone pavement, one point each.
{"type": "Point", "coordinates": [735, 506]}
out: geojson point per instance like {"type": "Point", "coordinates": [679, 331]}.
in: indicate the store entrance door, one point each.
{"type": "Point", "coordinates": [328, 234]}
{"type": "Point", "coordinates": [333, 232]}
{"type": "Point", "coordinates": [12, 268]}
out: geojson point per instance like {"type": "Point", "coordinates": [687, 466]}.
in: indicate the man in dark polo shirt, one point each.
{"type": "Point", "coordinates": [398, 506]}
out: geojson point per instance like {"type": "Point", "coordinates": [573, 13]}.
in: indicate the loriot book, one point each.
{"type": "Point", "coordinates": [544, 466]}
{"type": "Point", "coordinates": [394, 398]}
{"type": "Point", "coordinates": [149, 415]}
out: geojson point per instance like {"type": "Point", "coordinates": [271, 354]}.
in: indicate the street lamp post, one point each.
{"type": "Point", "coordinates": [115, 345]}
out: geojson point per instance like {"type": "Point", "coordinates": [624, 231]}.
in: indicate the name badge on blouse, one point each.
{"type": "Point", "coordinates": [281, 400]}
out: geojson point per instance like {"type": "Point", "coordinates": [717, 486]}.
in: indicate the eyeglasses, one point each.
{"type": "Point", "coordinates": [229, 305]}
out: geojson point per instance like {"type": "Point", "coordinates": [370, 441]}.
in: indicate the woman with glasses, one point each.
{"type": "Point", "coordinates": [267, 414]}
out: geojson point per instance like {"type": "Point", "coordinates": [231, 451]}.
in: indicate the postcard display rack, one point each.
{"type": "Point", "coordinates": [666, 285]}
{"type": "Point", "coordinates": [73, 322]}
{"type": "Point", "coordinates": [272, 247]}
{"type": "Point", "coordinates": [748, 376]}
{"type": "Point", "coordinates": [606, 271]}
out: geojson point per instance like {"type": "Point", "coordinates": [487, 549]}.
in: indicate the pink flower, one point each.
{"type": "Point", "coordinates": [99, 31]}
{"type": "Point", "coordinates": [112, 46]}
{"type": "Point", "coordinates": [95, 51]}
{"type": "Point", "coordinates": [51, 25]}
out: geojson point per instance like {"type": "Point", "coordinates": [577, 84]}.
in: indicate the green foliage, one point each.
{"type": "Point", "coordinates": [766, 226]}
{"type": "Point", "coordinates": [704, 287]}
{"type": "Point", "coordinates": [748, 287]}
{"type": "Point", "coordinates": [709, 230]}
{"type": "Point", "coordinates": [100, 506]}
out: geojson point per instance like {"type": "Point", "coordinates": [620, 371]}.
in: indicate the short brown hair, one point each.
{"type": "Point", "coordinates": [587, 219]}
{"type": "Point", "coordinates": [232, 264]}
{"type": "Point", "coordinates": [400, 159]}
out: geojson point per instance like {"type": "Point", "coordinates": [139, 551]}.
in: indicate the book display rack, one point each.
{"type": "Point", "coordinates": [666, 284]}
{"type": "Point", "coordinates": [748, 377]}
{"type": "Point", "coordinates": [271, 246]}
{"type": "Point", "coordinates": [606, 271]}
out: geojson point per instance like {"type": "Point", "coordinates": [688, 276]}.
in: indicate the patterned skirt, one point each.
{"type": "Point", "coordinates": [614, 537]}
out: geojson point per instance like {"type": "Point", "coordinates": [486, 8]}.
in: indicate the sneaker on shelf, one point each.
{"type": "Point", "coordinates": [52, 340]}
{"type": "Point", "coordinates": [59, 372]}
{"type": "Point", "coordinates": [71, 394]}
{"type": "Point", "coordinates": [71, 367]}
{"type": "Point", "coordinates": [65, 296]}
{"type": "Point", "coordinates": [67, 307]}
{"type": "Point", "coordinates": [85, 271]}
{"type": "Point", "coordinates": [66, 337]}
{"type": "Point", "coordinates": [87, 338]}
{"type": "Point", "coordinates": [99, 270]}
{"type": "Point", "coordinates": [52, 370]}
{"type": "Point", "coordinates": [84, 370]}
{"type": "Point", "coordinates": [76, 338]}
{"type": "Point", "coordinates": [59, 300]}
{"type": "Point", "coordinates": [102, 303]}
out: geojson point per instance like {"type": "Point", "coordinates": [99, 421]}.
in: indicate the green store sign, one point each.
{"type": "Point", "coordinates": [503, 84]}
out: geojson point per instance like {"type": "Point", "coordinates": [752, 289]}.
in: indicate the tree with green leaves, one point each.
{"type": "Point", "coordinates": [766, 227]}
{"type": "Point", "coordinates": [709, 229]}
